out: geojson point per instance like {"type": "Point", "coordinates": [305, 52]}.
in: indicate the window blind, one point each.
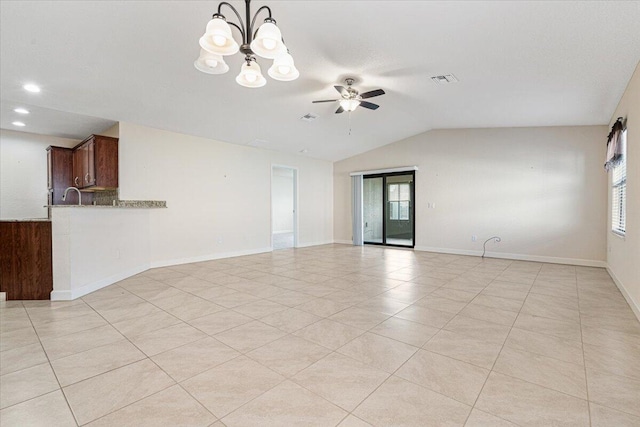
{"type": "Point", "coordinates": [619, 191]}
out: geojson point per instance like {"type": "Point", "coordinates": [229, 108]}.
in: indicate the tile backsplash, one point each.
{"type": "Point", "coordinates": [105, 197]}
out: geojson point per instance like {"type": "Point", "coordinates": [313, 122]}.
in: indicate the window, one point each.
{"type": "Point", "coordinates": [399, 197]}
{"type": "Point", "coordinates": [619, 191]}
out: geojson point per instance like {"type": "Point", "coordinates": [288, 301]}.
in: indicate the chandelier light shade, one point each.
{"type": "Point", "coordinates": [251, 75]}
{"type": "Point", "coordinates": [210, 63]}
{"type": "Point", "coordinates": [218, 38]}
{"type": "Point", "coordinates": [283, 68]}
{"type": "Point", "coordinates": [267, 42]}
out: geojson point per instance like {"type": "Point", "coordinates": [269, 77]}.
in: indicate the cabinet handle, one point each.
{"type": "Point", "coordinates": [86, 177]}
{"type": "Point", "coordinates": [75, 181]}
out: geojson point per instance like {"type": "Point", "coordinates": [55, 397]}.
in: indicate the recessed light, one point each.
{"type": "Point", "coordinates": [19, 124]}
{"type": "Point", "coordinates": [30, 87]}
{"type": "Point", "coordinates": [304, 150]}
{"type": "Point", "coordinates": [21, 111]}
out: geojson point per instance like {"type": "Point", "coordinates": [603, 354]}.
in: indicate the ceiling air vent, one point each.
{"type": "Point", "coordinates": [444, 79]}
{"type": "Point", "coordinates": [309, 117]}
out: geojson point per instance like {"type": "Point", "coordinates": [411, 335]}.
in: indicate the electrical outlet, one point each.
{"type": "Point", "coordinates": [474, 238]}
{"type": "Point", "coordinates": [117, 254]}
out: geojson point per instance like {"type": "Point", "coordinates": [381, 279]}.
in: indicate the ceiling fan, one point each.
{"type": "Point", "coordinates": [351, 98]}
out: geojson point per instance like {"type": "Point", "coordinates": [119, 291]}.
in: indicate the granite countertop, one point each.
{"type": "Point", "coordinates": [120, 204]}
{"type": "Point", "coordinates": [25, 220]}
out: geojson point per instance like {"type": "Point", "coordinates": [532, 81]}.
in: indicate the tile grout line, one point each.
{"type": "Point", "coordinates": [584, 358]}
{"type": "Point", "coordinates": [53, 370]}
{"type": "Point", "coordinates": [503, 344]}
{"type": "Point", "coordinates": [358, 283]}
{"type": "Point", "coordinates": [400, 367]}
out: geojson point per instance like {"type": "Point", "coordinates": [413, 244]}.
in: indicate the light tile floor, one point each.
{"type": "Point", "coordinates": [326, 336]}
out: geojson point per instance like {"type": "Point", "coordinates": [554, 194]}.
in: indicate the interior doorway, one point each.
{"type": "Point", "coordinates": [388, 214]}
{"type": "Point", "coordinates": [284, 207]}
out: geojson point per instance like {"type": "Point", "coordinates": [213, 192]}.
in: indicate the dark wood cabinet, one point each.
{"type": "Point", "coordinates": [59, 175]}
{"type": "Point", "coordinates": [25, 260]}
{"type": "Point", "coordinates": [78, 168]}
{"type": "Point", "coordinates": [95, 163]}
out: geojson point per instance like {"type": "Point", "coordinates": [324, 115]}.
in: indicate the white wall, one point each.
{"type": "Point", "coordinates": [542, 190]}
{"type": "Point", "coordinates": [282, 200]}
{"type": "Point", "coordinates": [94, 247]}
{"type": "Point", "coordinates": [23, 173]}
{"type": "Point", "coordinates": [624, 253]}
{"type": "Point", "coordinates": [218, 194]}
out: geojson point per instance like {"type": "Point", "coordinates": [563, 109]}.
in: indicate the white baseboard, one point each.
{"type": "Point", "coordinates": [518, 257]}
{"type": "Point", "coordinates": [68, 295]}
{"type": "Point", "coordinates": [343, 242]}
{"type": "Point", "coordinates": [306, 245]}
{"type": "Point", "coordinates": [209, 257]}
{"type": "Point", "coordinates": [635, 306]}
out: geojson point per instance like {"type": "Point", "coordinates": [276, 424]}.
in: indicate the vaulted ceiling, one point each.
{"type": "Point", "coordinates": [518, 64]}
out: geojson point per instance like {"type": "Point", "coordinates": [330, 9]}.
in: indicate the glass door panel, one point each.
{"type": "Point", "coordinates": [399, 216]}
{"type": "Point", "coordinates": [372, 209]}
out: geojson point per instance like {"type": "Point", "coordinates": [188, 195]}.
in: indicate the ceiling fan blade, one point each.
{"type": "Point", "coordinates": [369, 105]}
{"type": "Point", "coordinates": [372, 93]}
{"type": "Point", "coordinates": [342, 90]}
{"type": "Point", "coordinates": [324, 100]}
{"type": "Point", "coordinates": [340, 110]}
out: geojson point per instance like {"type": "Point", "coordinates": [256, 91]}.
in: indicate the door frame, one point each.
{"type": "Point", "coordinates": [385, 208]}
{"type": "Point", "coordinates": [295, 202]}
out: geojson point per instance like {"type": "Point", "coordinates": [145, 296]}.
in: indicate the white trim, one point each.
{"type": "Point", "coordinates": [61, 296]}
{"type": "Point", "coordinates": [388, 170]}
{"type": "Point", "coordinates": [68, 295]}
{"type": "Point", "coordinates": [343, 242]}
{"type": "Point", "coordinates": [296, 225]}
{"type": "Point", "coordinates": [518, 257]}
{"type": "Point", "coordinates": [306, 245]}
{"type": "Point", "coordinates": [635, 307]}
{"type": "Point", "coordinates": [283, 232]}
{"type": "Point", "coordinates": [3, 296]}
{"type": "Point", "coordinates": [209, 257]}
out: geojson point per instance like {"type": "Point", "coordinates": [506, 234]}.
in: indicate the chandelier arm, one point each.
{"type": "Point", "coordinates": [230, 6]}
{"type": "Point", "coordinates": [255, 16]}
{"type": "Point", "coordinates": [239, 29]}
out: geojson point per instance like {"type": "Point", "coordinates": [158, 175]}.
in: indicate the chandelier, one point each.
{"type": "Point", "coordinates": [266, 42]}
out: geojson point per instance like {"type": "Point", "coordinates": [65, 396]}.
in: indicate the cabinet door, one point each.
{"type": "Point", "coordinates": [91, 163]}
{"type": "Point", "coordinates": [105, 154]}
{"type": "Point", "coordinates": [60, 175]}
{"type": "Point", "coordinates": [49, 170]}
{"type": "Point", "coordinates": [78, 168]}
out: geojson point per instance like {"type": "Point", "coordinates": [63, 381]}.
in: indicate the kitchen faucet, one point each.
{"type": "Point", "coordinates": [64, 196]}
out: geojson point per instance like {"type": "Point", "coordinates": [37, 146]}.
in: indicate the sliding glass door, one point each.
{"type": "Point", "coordinates": [372, 210]}
{"type": "Point", "coordinates": [388, 209]}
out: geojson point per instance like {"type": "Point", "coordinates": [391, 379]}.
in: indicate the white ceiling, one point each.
{"type": "Point", "coordinates": [519, 64]}
{"type": "Point", "coordinates": [51, 122]}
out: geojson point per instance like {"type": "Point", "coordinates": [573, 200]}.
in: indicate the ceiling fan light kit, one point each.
{"type": "Point", "coordinates": [349, 105]}
{"type": "Point", "coordinates": [266, 42]}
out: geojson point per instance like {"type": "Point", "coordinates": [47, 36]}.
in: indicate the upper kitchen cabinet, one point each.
{"type": "Point", "coordinates": [59, 162]}
{"type": "Point", "coordinates": [95, 163]}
